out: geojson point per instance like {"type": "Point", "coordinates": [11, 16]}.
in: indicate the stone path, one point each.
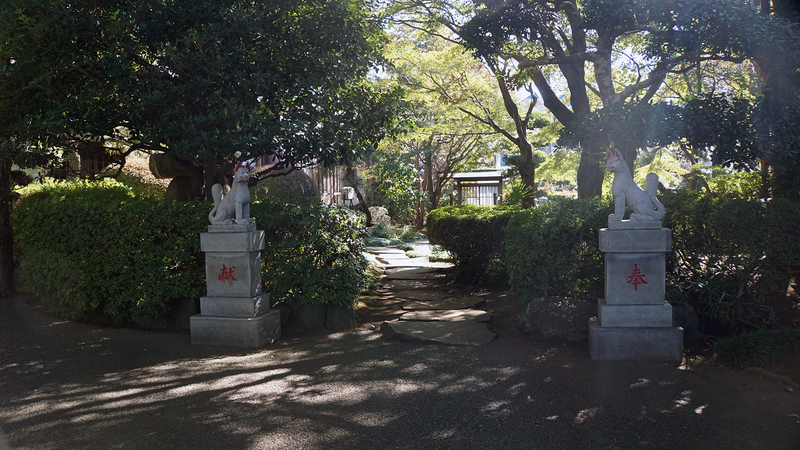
{"type": "Point", "coordinates": [433, 312]}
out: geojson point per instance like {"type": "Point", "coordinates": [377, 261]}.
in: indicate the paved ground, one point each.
{"type": "Point", "coordinates": [72, 386]}
{"type": "Point", "coordinates": [432, 312]}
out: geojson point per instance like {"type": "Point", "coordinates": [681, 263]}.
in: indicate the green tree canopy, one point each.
{"type": "Point", "coordinates": [199, 79]}
{"type": "Point", "coordinates": [586, 55]}
{"type": "Point", "coordinates": [207, 81]}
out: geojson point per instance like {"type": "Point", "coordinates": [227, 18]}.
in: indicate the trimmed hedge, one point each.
{"type": "Point", "coordinates": [728, 256]}
{"type": "Point", "coordinates": [473, 235]}
{"type": "Point", "coordinates": [553, 249]}
{"type": "Point", "coordinates": [90, 249]}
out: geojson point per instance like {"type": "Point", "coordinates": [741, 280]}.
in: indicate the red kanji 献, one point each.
{"type": "Point", "coordinates": [636, 278]}
{"type": "Point", "coordinates": [227, 273]}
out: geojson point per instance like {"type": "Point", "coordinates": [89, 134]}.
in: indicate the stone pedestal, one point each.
{"type": "Point", "coordinates": [634, 321]}
{"type": "Point", "coordinates": [235, 312]}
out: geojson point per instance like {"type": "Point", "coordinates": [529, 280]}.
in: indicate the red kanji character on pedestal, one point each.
{"type": "Point", "coordinates": [227, 274]}
{"type": "Point", "coordinates": [636, 278]}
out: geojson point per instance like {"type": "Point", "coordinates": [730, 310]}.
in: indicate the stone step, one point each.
{"type": "Point", "coordinates": [442, 303]}
{"type": "Point", "coordinates": [448, 315]}
{"type": "Point", "coordinates": [413, 273]}
{"type": "Point", "coordinates": [385, 250]}
{"type": "Point", "coordinates": [462, 333]}
{"type": "Point", "coordinates": [408, 262]}
{"type": "Point", "coordinates": [407, 285]}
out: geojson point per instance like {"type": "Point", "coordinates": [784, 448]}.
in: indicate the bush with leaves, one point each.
{"type": "Point", "coordinates": [95, 249]}
{"type": "Point", "coordinates": [553, 249]}
{"type": "Point", "coordinates": [758, 348]}
{"type": "Point", "coordinates": [474, 237]}
{"type": "Point", "coordinates": [313, 253]}
{"type": "Point", "coordinates": [730, 254]}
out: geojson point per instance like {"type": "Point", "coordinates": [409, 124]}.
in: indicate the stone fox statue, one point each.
{"type": "Point", "coordinates": [626, 192]}
{"type": "Point", "coordinates": [235, 206]}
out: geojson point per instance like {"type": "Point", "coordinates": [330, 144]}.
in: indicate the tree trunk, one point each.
{"type": "Point", "coordinates": [527, 173]}
{"type": "Point", "coordinates": [352, 178]}
{"type": "Point", "coordinates": [590, 171]}
{"type": "Point", "coordinates": [433, 199]}
{"type": "Point", "coordinates": [765, 194]}
{"type": "Point", "coordinates": [527, 170]}
{"type": "Point", "coordinates": [7, 287]}
{"type": "Point", "coordinates": [213, 173]}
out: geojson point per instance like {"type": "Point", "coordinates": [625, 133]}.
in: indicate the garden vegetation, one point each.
{"type": "Point", "coordinates": [96, 250]}
{"type": "Point", "coordinates": [731, 258]}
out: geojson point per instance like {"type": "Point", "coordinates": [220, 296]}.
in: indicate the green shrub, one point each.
{"type": "Point", "coordinates": [381, 230]}
{"type": "Point", "coordinates": [59, 280]}
{"type": "Point", "coordinates": [314, 254]}
{"type": "Point", "coordinates": [758, 348]}
{"type": "Point", "coordinates": [473, 236]}
{"type": "Point", "coordinates": [553, 249]}
{"type": "Point", "coordinates": [94, 247]}
{"type": "Point", "coordinates": [142, 187]}
{"type": "Point", "coordinates": [293, 188]}
{"type": "Point", "coordinates": [407, 234]}
{"type": "Point", "coordinates": [730, 254]}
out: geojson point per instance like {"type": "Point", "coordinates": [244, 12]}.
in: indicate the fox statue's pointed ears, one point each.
{"type": "Point", "coordinates": [615, 155]}
{"type": "Point", "coordinates": [247, 166]}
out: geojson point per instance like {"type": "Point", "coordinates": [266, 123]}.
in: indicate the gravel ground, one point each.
{"type": "Point", "coordinates": [73, 386]}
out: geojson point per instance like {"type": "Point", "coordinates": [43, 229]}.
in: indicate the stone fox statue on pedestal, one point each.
{"type": "Point", "coordinates": [627, 192]}
{"type": "Point", "coordinates": [235, 206]}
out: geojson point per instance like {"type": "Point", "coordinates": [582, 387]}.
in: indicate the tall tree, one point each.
{"type": "Point", "coordinates": [452, 93]}
{"type": "Point", "coordinates": [581, 44]}
{"type": "Point", "coordinates": [506, 115]}
{"type": "Point", "coordinates": [204, 80]}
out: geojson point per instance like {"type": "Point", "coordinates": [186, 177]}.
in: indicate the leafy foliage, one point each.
{"type": "Point", "coordinates": [113, 254]}
{"type": "Point", "coordinates": [396, 181]}
{"type": "Point", "coordinates": [95, 249]}
{"type": "Point", "coordinates": [758, 348]}
{"type": "Point", "coordinates": [196, 78]}
{"type": "Point", "coordinates": [473, 235]}
{"type": "Point", "coordinates": [553, 249]}
{"type": "Point", "coordinates": [729, 254]}
{"type": "Point", "coordinates": [712, 124]}
{"type": "Point", "coordinates": [313, 253]}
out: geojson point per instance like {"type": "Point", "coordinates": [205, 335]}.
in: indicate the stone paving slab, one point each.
{"type": "Point", "coordinates": [405, 285]}
{"type": "Point", "coordinates": [449, 315]}
{"type": "Point", "coordinates": [442, 304]}
{"type": "Point", "coordinates": [465, 333]}
{"type": "Point", "coordinates": [420, 295]}
{"type": "Point", "coordinates": [410, 262]}
{"type": "Point", "coordinates": [385, 250]}
{"type": "Point", "coordinates": [391, 257]}
{"type": "Point", "coordinates": [412, 273]}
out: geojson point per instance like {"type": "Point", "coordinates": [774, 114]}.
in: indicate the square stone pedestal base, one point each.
{"type": "Point", "coordinates": [618, 343]}
{"type": "Point", "coordinates": [249, 332]}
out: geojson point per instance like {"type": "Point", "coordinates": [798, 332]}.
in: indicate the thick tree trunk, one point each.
{"type": "Point", "coordinates": [7, 287]}
{"type": "Point", "coordinates": [351, 177]}
{"type": "Point", "coordinates": [590, 171]}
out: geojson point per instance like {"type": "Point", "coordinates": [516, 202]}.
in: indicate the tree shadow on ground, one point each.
{"type": "Point", "coordinates": [67, 385]}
